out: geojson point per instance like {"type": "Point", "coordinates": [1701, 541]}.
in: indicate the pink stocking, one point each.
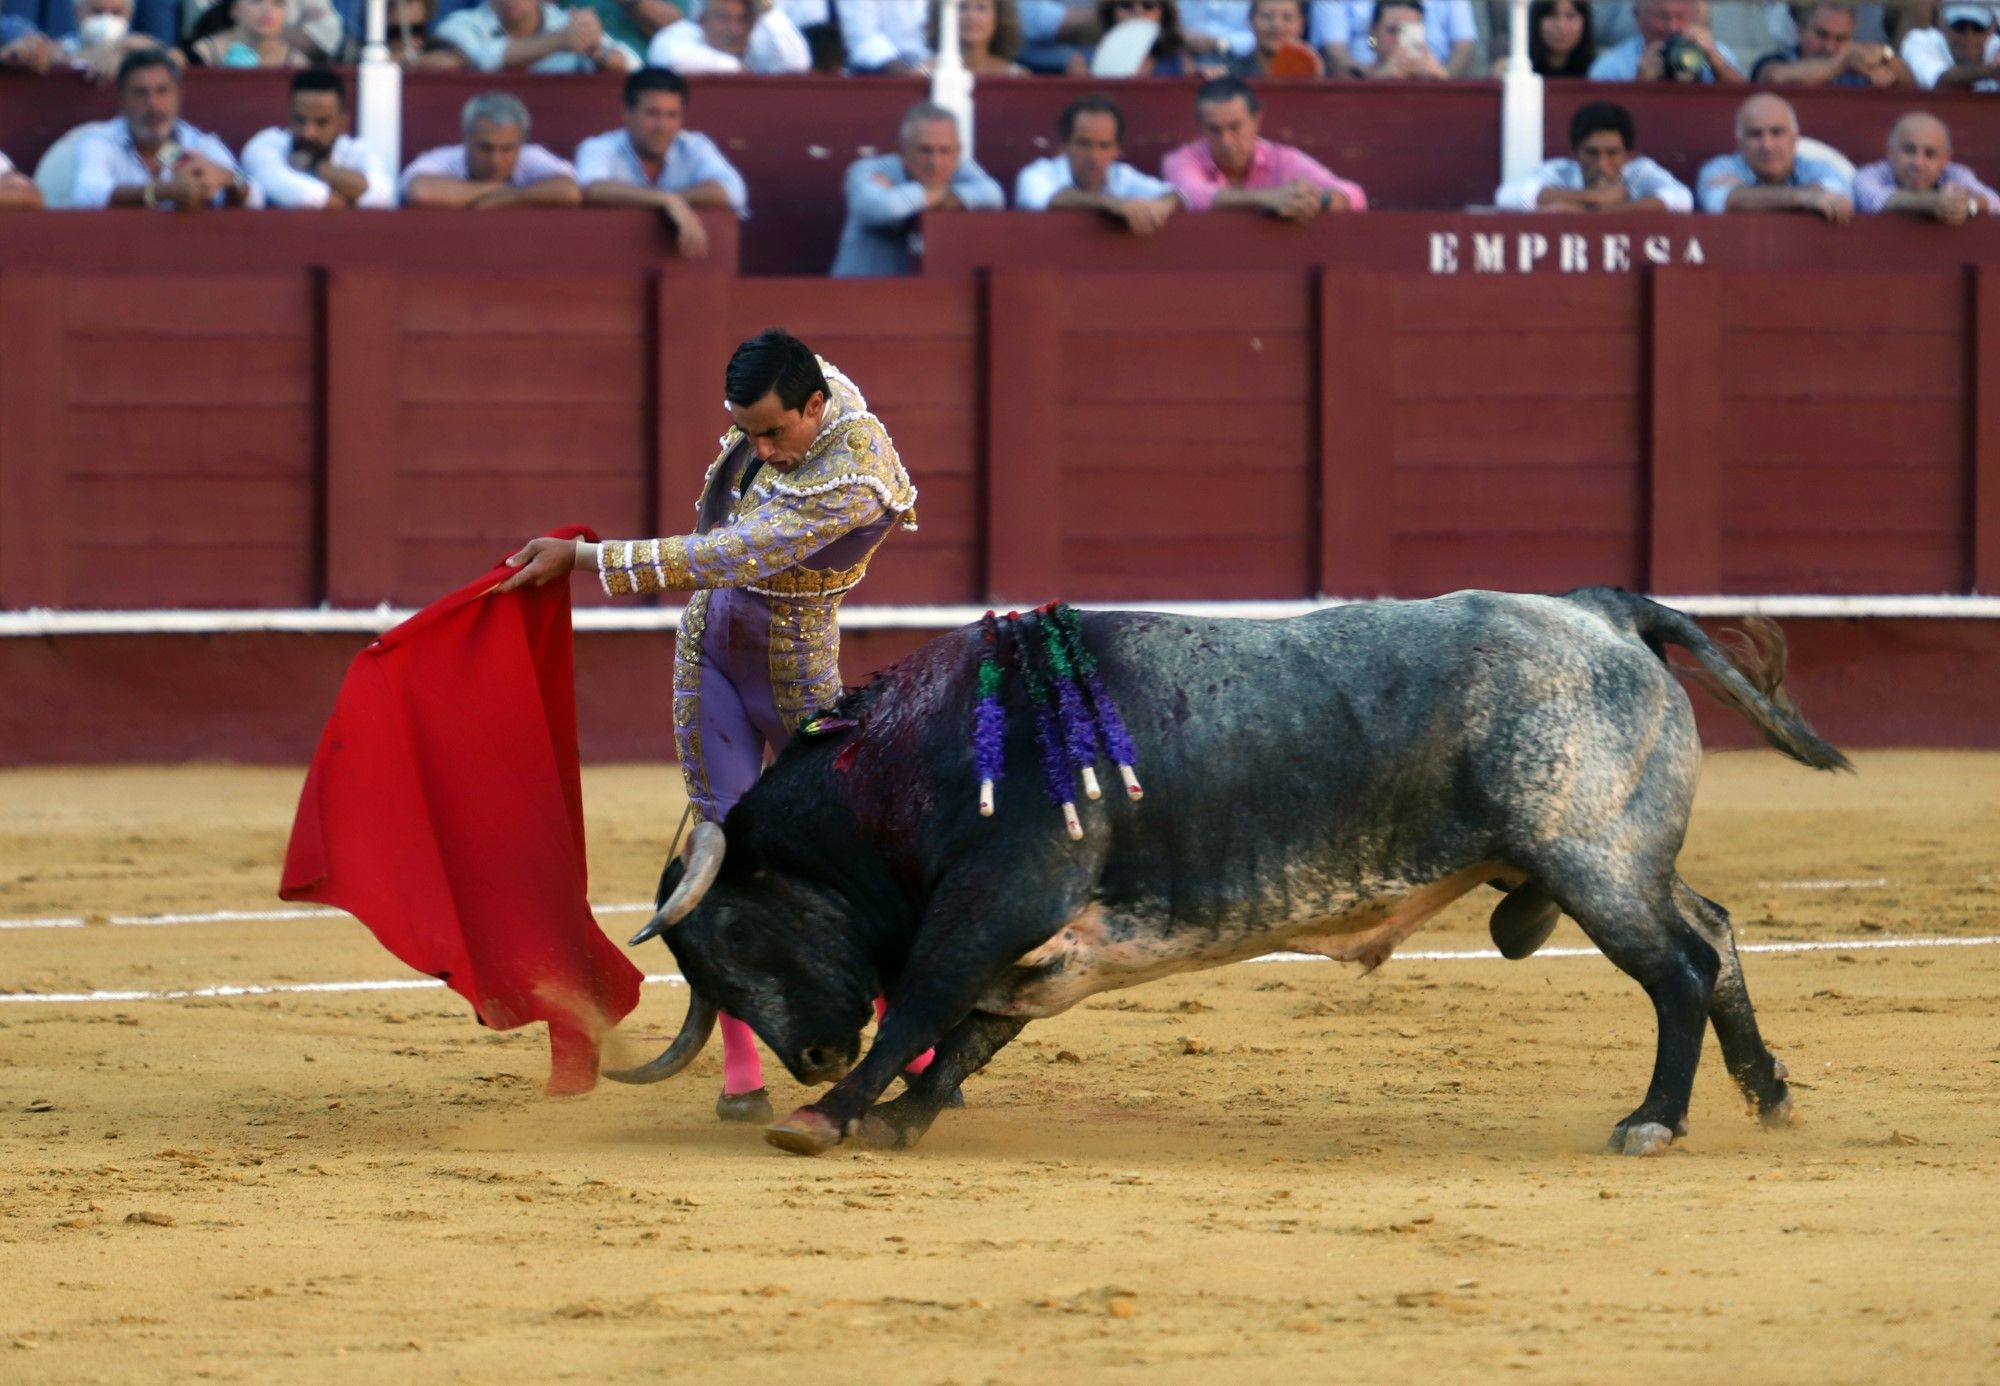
{"type": "Point", "coordinates": [923, 1060]}
{"type": "Point", "coordinates": [742, 1070]}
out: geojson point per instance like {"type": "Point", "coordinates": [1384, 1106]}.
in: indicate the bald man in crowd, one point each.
{"type": "Point", "coordinates": [1768, 174]}
{"type": "Point", "coordinates": [1920, 179]}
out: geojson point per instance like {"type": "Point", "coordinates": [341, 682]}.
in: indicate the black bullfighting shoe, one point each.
{"type": "Point", "coordinates": [754, 1105]}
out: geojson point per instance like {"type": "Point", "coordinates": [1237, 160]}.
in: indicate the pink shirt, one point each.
{"type": "Point", "coordinates": [1193, 172]}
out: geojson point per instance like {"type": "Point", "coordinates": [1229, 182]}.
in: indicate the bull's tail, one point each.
{"type": "Point", "coordinates": [1746, 670]}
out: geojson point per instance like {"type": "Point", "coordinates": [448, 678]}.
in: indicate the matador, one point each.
{"type": "Point", "coordinates": [805, 489]}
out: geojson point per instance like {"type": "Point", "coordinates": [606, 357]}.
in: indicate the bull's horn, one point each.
{"type": "Point", "coordinates": [704, 860]}
{"type": "Point", "coordinates": [695, 1030]}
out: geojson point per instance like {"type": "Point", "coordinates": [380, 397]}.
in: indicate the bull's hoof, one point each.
{"type": "Point", "coordinates": [1641, 1138]}
{"type": "Point", "coordinates": [1779, 1113]}
{"type": "Point", "coordinates": [752, 1106]}
{"type": "Point", "coordinates": [808, 1131]}
{"type": "Point", "coordinates": [885, 1133]}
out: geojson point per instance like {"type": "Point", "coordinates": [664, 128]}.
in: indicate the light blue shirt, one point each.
{"type": "Point", "coordinates": [1446, 22]}
{"type": "Point", "coordinates": [1226, 20]}
{"type": "Point", "coordinates": [1620, 62]}
{"type": "Point", "coordinates": [691, 159]}
{"type": "Point", "coordinates": [478, 34]}
{"type": "Point", "coordinates": [106, 160]}
{"type": "Point", "coordinates": [882, 230]}
{"type": "Point", "coordinates": [1039, 182]}
{"type": "Point", "coordinates": [1725, 173]}
{"type": "Point", "coordinates": [1641, 176]}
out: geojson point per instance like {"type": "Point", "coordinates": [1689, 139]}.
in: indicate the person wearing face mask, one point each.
{"type": "Point", "coordinates": [243, 33]}
{"type": "Point", "coordinates": [103, 37]}
{"type": "Point", "coordinates": [1920, 179]}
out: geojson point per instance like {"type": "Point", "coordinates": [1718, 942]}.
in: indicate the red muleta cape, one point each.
{"type": "Point", "coordinates": [444, 810]}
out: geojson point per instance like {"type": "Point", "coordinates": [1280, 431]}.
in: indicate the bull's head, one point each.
{"type": "Point", "coordinates": [768, 948]}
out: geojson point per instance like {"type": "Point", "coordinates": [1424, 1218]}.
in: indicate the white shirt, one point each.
{"type": "Point", "coordinates": [878, 32]}
{"type": "Point", "coordinates": [267, 162]}
{"type": "Point", "coordinates": [1641, 176]}
{"type": "Point", "coordinates": [1927, 53]}
{"type": "Point", "coordinates": [478, 34]}
{"type": "Point", "coordinates": [106, 160]}
{"type": "Point", "coordinates": [6, 165]}
{"type": "Point", "coordinates": [775, 45]}
{"type": "Point", "coordinates": [691, 159]}
{"type": "Point", "coordinates": [1037, 185]}
{"type": "Point", "coordinates": [448, 161]}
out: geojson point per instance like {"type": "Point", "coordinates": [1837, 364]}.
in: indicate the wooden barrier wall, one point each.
{"type": "Point", "coordinates": [1434, 148]}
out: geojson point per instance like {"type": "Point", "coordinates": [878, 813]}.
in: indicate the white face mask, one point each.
{"type": "Point", "coordinates": [101, 30]}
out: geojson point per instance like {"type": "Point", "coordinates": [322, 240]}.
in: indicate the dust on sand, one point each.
{"type": "Point", "coordinates": [1279, 1171]}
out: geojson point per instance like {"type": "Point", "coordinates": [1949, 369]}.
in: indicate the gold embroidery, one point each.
{"type": "Point", "coordinates": [857, 439]}
{"type": "Point", "coordinates": [674, 564]}
{"type": "Point", "coordinates": [687, 703]}
{"type": "Point", "coordinates": [804, 659]}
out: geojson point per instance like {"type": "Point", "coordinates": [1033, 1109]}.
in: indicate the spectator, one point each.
{"type": "Point", "coordinates": [1562, 39]}
{"type": "Point", "coordinates": [1397, 49]}
{"type": "Point", "coordinates": [409, 39]}
{"type": "Point", "coordinates": [1919, 177]}
{"type": "Point", "coordinates": [884, 35]}
{"type": "Point", "coordinates": [1961, 53]}
{"type": "Point", "coordinates": [733, 36]}
{"type": "Point", "coordinates": [1054, 32]}
{"type": "Point", "coordinates": [18, 192]}
{"type": "Point", "coordinates": [1230, 166]}
{"type": "Point", "coordinates": [1768, 173]}
{"type": "Point", "coordinates": [1342, 29]}
{"type": "Point", "coordinates": [1674, 42]}
{"type": "Point", "coordinates": [634, 23]}
{"type": "Point", "coordinates": [989, 35]}
{"type": "Point", "coordinates": [1087, 175]}
{"type": "Point", "coordinates": [654, 162]}
{"type": "Point", "coordinates": [313, 27]}
{"type": "Point", "coordinates": [1169, 56]}
{"type": "Point", "coordinates": [147, 156]}
{"type": "Point", "coordinates": [315, 162]}
{"type": "Point", "coordinates": [243, 33]}
{"type": "Point", "coordinates": [510, 35]}
{"type": "Point", "coordinates": [1827, 55]}
{"type": "Point", "coordinates": [887, 195]}
{"type": "Point", "coordinates": [1274, 24]}
{"type": "Point", "coordinates": [1218, 29]}
{"type": "Point", "coordinates": [24, 48]}
{"type": "Point", "coordinates": [494, 167]}
{"type": "Point", "coordinates": [103, 37]}
{"type": "Point", "coordinates": [1606, 175]}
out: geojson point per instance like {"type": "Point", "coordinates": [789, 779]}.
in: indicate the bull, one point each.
{"type": "Point", "coordinates": [1321, 784]}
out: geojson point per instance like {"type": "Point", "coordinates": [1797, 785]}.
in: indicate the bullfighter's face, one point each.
{"type": "Point", "coordinates": [782, 960]}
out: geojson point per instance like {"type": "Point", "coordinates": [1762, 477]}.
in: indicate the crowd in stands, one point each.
{"type": "Point", "coordinates": [1916, 44]}
{"type": "Point", "coordinates": [150, 156]}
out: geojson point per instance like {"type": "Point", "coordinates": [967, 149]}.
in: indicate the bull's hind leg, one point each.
{"type": "Point", "coordinates": [1756, 1070]}
{"type": "Point", "coordinates": [960, 1054]}
{"type": "Point", "coordinates": [1644, 936]}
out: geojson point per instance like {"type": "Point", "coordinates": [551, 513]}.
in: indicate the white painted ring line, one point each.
{"type": "Point", "coordinates": [129, 921]}
{"type": "Point", "coordinates": [1862, 945]}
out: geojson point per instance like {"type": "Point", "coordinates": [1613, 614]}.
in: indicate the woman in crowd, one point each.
{"type": "Point", "coordinates": [1562, 39]}
{"type": "Point", "coordinates": [1275, 23]}
{"type": "Point", "coordinates": [1398, 46]}
{"type": "Point", "coordinates": [1170, 56]}
{"type": "Point", "coordinates": [243, 33]}
{"type": "Point", "coordinates": [989, 35]}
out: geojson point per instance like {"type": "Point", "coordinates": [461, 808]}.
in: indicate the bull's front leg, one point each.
{"type": "Point", "coordinates": [966, 1050]}
{"type": "Point", "coordinates": [964, 946]}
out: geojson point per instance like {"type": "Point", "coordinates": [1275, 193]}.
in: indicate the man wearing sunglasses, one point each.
{"type": "Point", "coordinates": [1961, 54]}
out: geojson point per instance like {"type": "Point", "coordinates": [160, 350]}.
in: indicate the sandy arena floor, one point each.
{"type": "Point", "coordinates": [1275, 1172]}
